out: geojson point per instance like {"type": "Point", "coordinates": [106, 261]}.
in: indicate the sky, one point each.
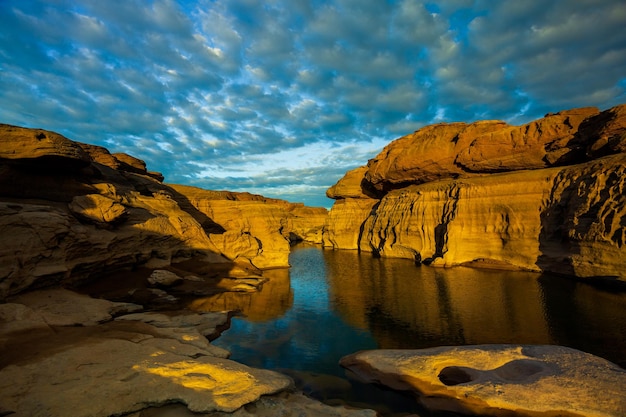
{"type": "Point", "coordinates": [282, 97]}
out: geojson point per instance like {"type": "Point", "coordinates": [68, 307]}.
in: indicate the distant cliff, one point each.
{"type": "Point", "coordinates": [546, 196]}
{"type": "Point", "coordinates": [70, 211]}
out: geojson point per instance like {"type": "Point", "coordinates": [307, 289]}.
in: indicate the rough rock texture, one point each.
{"type": "Point", "coordinates": [497, 380]}
{"type": "Point", "coordinates": [254, 229]}
{"type": "Point", "coordinates": [282, 405]}
{"type": "Point", "coordinates": [344, 225]}
{"type": "Point", "coordinates": [119, 161]}
{"type": "Point", "coordinates": [161, 277]}
{"type": "Point", "coordinates": [122, 376]}
{"type": "Point", "coordinates": [350, 186]}
{"type": "Point", "coordinates": [37, 145]}
{"type": "Point", "coordinates": [61, 351]}
{"type": "Point", "coordinates": [444, 200]}
{"type": "Point", "coordinates": [60, 307]}
{"type": "Point", "coordinates": [97, 208]}
{"type": "Point", "coordinates": [71, 211]}
{"type": "Point", "coordinates": [459, 149]}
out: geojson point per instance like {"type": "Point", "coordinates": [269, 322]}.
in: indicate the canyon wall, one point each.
{"type": "Point", "coordinates": [546, 196]}
{"type": "Point", "coordinates": [71, 211]}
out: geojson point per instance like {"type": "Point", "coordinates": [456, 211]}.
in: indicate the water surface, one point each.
{"type": "Point", "coordinates": [333, 303]}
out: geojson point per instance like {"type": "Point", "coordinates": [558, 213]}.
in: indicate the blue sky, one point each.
{"type": "Point", "coordinates": [282, 97]}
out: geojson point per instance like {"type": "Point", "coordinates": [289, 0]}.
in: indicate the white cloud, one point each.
{"type": "Point", "coordinates": [232, 94]}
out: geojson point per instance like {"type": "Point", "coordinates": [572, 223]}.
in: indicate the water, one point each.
{"type": "Point", "coordinates": [333, 303]}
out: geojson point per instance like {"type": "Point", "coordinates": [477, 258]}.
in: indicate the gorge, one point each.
{"type": "Point", "coordinates": [76, 220]}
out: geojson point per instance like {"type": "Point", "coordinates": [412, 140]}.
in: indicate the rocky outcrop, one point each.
{"type": "Point", "coordinates": [461, 150]}
{"type": "Point", "coordinates": [37, 145]}
{"type": "Point", "coordinates": [65, 352]}
{"type": "Point", "coordinates": [521, 207]}
{"type": "Point", "coordinates": [71, 211]}
{"type": "Point", "coordinates": [252, 228]}
{"type": "Point", "coordinates": [495, 380]}
{"type": "Point", "coordinates": [344, 226]}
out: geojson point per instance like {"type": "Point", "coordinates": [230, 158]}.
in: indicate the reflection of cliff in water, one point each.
{"type": "Point", "coordinates": [408, 307]}
{"type": "Point", "coordinates": [586, 318]}
{"type": "Point", "coordinates": [273, 301]}
{"type": "Point", "coordinates": [405, 306]}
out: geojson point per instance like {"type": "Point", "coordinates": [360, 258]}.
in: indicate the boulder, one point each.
{"type": "Point", "coordinates": [97, 208]}
{"type": "Point", "coordinates": [460, 150]}
{"type": "Point", "coordinates": [305, 223]}
{"type": "Point", "coordinates": [119, 161]}
{"type": "Point", "coordinates": [163, 278]}
{"type": "Point", "coordinates": [350, 186]}
{"type": "Point", "coordinates": [72, 212]}
{"type": "Point", "coordinates": [605, 133]}
{"type": "Point", "coordinates": [31, 145]}
{"type": "Point", "coordinates": [495, 380]}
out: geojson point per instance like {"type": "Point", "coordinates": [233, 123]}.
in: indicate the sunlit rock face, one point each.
{"type": "Point", "coordinates": [343, 227]}
{"type": "Point", "coordinates": [60, 353]}
{"type": "Point", "coordinates": [71, 211]}
{"type": "Point", "coordinates": [524, 206]}
{"type": "Point", "coordinates": [495, 380]}
{"type": "Point", "coordinates": [252, 228]}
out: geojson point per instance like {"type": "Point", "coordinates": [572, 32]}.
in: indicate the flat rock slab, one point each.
{"type": "Point", "coordinates": [60, 307]}
{"type": "Point", "coordinates": [115, 377]}
{"type": "Point", "coordinates": [488, 379]}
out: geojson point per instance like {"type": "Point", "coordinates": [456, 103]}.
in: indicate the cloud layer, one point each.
{"type": "Point", "coordinates": [281, 97]}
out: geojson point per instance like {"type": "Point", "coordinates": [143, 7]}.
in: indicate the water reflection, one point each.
{"type": "Point", "coordinates": [310, 336]}
{"type": "Point", "coordinates": [409, 307]}
{"type": "Point", "coordinates": [340, 302]}
{"type": "Point", "coordinates": [275, 299]}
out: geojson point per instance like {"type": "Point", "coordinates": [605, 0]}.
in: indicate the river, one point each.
{"type": "Point", "coordinates": [332, 303]}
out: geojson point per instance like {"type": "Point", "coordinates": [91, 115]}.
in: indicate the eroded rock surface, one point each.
{"type": "Point", "coordinates": [535, 197]}
{"type": "Point", "coordinates": [252, 228]}
{"type": "Point", "coordinates": [528, 380]}
{"type": "Point", "coordinates": [71, 212]}
{"type": "Point", "coordinates": [62, 351]}
{"type": "Point", "coordinates": [122, 376]}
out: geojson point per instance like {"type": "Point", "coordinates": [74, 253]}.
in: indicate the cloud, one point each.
{"type": "Point", "coordinates": [282, 97]}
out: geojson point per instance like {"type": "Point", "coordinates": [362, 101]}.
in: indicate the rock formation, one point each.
{"type": "Point", "coordinates": [495, 380]}
{"type": "Point", "coordinates": [71, 211]}
{"type": "Point", "coordinates": [63, 352]}
{"type": "Point", "coordinates": [73, 215]}
{"type": "Point", "coordinates": [546, 196]}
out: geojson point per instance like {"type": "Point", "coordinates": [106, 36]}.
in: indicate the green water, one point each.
{"type": "Point", "coordinates": [332, 303]}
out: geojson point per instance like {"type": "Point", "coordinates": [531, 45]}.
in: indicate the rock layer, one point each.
{"type": "Point", "coordinates": [71, 211]}
{"type": "Point", "coordinates": [495, 380]}
{"type": "Point", "coordinates": [444, 200]}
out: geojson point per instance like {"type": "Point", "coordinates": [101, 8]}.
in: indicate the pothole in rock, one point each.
{"type": "Point", "coordinates": [454, 375]}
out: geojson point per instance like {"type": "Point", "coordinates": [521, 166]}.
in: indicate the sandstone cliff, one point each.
{"type": "Point", "coordinates": [71, 211]}
{"type": "Point", "coordinates": [546, 196]}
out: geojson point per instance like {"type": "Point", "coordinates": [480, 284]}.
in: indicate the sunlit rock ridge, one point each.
{"type": "Point", "coordinates": [70, 211]}
{"type": "Point", "coordinates": [546, 196]}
